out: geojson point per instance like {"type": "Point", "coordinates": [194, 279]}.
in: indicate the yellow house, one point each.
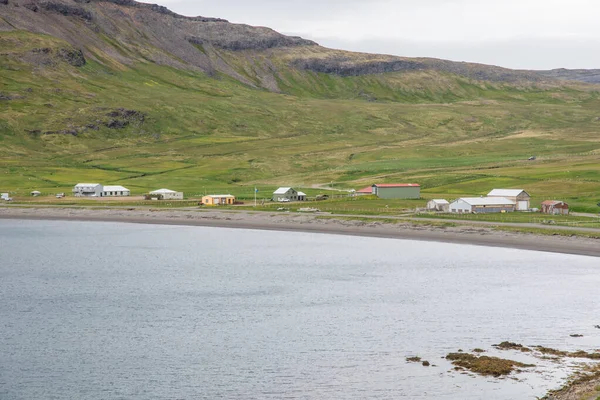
{"type": "Point", "coordinates": [218, 200]}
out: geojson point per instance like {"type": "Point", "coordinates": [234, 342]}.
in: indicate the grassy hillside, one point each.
{"type": "Point", "coordinates": [148, 126]}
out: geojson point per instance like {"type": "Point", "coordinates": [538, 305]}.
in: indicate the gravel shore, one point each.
{"type": "Point", "coordinates": [315, 223]}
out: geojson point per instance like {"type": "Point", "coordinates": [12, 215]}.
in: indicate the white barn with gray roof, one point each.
{"type": "Point", "coordinates": [482, 205]}
{"type": "Point", "coordinates": [115, 191]}
{"type": "Point", "coordinates": [519, 196]}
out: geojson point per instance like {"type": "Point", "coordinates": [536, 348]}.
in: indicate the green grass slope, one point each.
{"type": "Point", "coordinates": [148, 126]}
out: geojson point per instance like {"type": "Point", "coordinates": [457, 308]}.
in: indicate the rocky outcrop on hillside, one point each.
{"type": "Point", "coordinates": [63, 9]}
{"type": "Point", "coordinates": [346, 66]}
{"type": "Point", "coordinates": [580, 75]}
{"type": "Point", "coordinates": [366, 64]}
{"type": "Point", "coordinates": [49, 57]}
{"type": "Point", "coordinates": [239, 40]}
{"type": "Point", "coordinates": [72, 57]}
{"type": "Point", "coordinates": [119, 118]}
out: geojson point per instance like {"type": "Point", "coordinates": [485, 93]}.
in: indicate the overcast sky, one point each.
{"type": "Point", "coordinates": [529, 34]}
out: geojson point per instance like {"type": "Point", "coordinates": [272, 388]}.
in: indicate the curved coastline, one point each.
{"type": "Point", "coordinates": [311, 223]}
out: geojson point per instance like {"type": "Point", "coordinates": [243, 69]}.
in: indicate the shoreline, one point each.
{"type": "Point", "coordinates": [311, 223]}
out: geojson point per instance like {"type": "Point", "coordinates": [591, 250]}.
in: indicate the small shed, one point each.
{"type": "Point", "coordinates": [519, 196]}
{"type": "Point", "coordinates": [35, 193]}
{"type": "Point", "coordinates": [397, 190]}
{"type": "Point", "coordinates": [301, 196]}
{"type": "Point", "coordinates": [438, 205]}
{"type": "Point", "coordinates": [555, 207]}
{"type": "Point", "coordinates": [166, 194]}
{"type": "Point", "coordinates": [482, 205]}
{"type": "Point", "coordinates": [4, 196]}
{"type": "Point", "coordinates": [218, 200]}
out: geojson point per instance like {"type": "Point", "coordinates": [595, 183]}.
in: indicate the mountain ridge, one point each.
{"type": "Point", "coordinates": [128, 31]}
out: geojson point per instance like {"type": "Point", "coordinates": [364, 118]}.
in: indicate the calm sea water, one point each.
{"type": "Point", "coordinates": [123, 311]}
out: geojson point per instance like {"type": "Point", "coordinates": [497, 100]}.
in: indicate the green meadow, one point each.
{"type": "Point", "coordinates": [211, 134]}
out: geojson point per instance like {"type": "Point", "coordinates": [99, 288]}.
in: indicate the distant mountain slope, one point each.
{"type": "Point", "coordinates": [123, 32]}
{"type": "Point", "coordinates": [581, 75]}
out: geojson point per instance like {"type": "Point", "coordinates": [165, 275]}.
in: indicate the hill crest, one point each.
{"type": "Point", "coordinates": [127, 32]}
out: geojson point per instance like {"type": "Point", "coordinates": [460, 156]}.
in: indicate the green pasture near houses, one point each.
{"type": "Point", "coordinates": [214, 135]}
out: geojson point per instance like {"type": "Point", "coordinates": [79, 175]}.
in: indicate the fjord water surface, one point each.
{"type": "Point", "coordinates": [125, 311]}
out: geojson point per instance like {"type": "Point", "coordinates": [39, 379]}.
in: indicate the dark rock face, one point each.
{"type": "Point", "coordinates": [580, 75]}
{"type": "Point", "coordinates": [31, 6]}
{"type": "Point", "coordinates": [3, 1]}
{"type": "Point", "coordinates": [121, 118]}
{"type": "Point", "coordinates": [117, 119]}
{"type": "Point", "coordinates": [345, 67]}
{"type": "Point", "coordinates": [37, 132]}
{"type": "Point", "coordinates": [67, 10]}
{"type": "Point", "coordinates": [42, 50]}
{"type": "Point", "coordinates": [127, 114]}
{"type": "Point", "coordinates": [73, 57]}
{"type": "Point", "coordinates": [45, 56]}
{"type": "Point", "coordinates": [253, 42]}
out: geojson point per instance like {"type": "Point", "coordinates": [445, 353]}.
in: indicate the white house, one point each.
{"type": "Point", "coordinates": [87, 190]}
{"type": "Point", "coordinates": [4, 196]}
{"type": "Point", "coordinates": [438, 205]}
{"type": "Point", "coordinates": [482, 205]}
{"type": "Point", "coordinates": [288, 194]}
{"type": "Point", "coordinates": [166, 194]}
{"type": "Point", "coordinates": [519, 196]}
{"type": "Point", "coordinates": [115, 191]}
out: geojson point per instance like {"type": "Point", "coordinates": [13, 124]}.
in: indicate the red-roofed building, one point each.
{"type": "Point", "coordinates": [555, 207]}
{"type": "Point", "coordinates": [397, 190]}
{"type": "Point", "coordinates": [365, 191]}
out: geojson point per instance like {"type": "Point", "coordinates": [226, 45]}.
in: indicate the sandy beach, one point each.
{"type": "Point", "coordinates": [314, 223]}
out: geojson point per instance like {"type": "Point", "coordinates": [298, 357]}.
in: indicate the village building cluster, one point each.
{"type": "Point", "coordinates": [496, 201]}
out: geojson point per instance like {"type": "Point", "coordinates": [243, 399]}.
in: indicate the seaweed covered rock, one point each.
{"type": "Point", "coordinates": [485, 365]}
